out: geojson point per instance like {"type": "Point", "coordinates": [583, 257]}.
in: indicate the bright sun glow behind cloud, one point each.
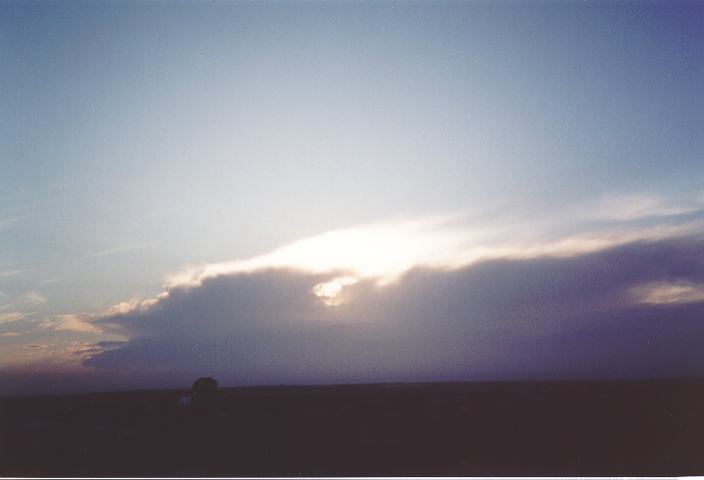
{"type": "Point", "coordinates": [382, 252]}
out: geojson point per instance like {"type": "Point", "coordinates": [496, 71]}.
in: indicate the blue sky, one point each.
{"type": "Point", "coordinates": [142, 142]}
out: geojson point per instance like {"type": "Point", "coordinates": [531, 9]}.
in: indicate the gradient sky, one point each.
{"type": "Point", "coordinates": [349, 191]}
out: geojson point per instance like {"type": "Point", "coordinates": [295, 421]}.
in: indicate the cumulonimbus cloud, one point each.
{"type": "Point", "coordinates": [552, 316]}
{"type": "Point", "coordinates": [445, 297]}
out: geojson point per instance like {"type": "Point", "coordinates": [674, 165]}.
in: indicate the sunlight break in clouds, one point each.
{"type": "Point", "coordinates": [329, 292]}
{"type": "Point", "coordinates": [667, 293]}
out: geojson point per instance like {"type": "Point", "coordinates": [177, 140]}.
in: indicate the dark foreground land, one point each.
{"type": "Point", "coordinates": [561, 428]}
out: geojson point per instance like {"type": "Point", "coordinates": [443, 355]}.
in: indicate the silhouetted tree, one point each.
{"type": "Point", "coordinates": [204, 394]}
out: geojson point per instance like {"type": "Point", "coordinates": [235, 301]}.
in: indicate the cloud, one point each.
{"type": "Point", "coordinates": [75, 323]}
{"type": "Point", "coordinates": [120, 249]}
{"type": "Point", "coordinates": [384, 251]}
{"type": "Point", "coordinates": [12, 221]}
{"type": "Point", "coordinates": [11, 317]}
{"type": "Point", "coordinates": [438, 298]}
{"type": "Point", "coordinates": [25, 300]}
{"type": "Point", "coordinates": [669, 292]}
{"type": "Point", "coordinates": [10, 273]}
{"type": "Point", "coordinates": [33, 298]}
{"type": "Point", "coordinates": [544, 317]}
{"type": "Point", "coordinates": [7, 222]}
{"type": "Point", "coordinates": [627, 207]}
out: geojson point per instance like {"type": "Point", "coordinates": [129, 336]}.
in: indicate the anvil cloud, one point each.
{"type": "Point", "coordinates": [590, 304]}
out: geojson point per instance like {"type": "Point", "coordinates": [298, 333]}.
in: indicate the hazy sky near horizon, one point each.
{"type": "Point", "coordinates": [166, 157]}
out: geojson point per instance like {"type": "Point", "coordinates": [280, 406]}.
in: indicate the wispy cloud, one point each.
{"type": "Point", "coordinates": [12, 221]}
{"type": "Point", "coordinates": [33, 298]}
{"type": "Point", "coordinates": [120, 249]}
{"type": "Point", "coordinates": [28, 298]}
{"type": "Point", "coordinates": [12, 317]}
{"type": "Point", "coordinates": [75, 323]}
{"type": "Point", "coordinates": [48, 355]}
{"type": "Point", "coordinates": [10, 273]}
{"type": "Point", "coordinates": [627, 207]}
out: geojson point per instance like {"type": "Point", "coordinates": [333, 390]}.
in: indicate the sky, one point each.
{"type": "Point", "coordinates": [343, 192]}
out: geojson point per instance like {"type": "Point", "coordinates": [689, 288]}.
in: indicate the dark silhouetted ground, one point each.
{"type": "Point", "coordinates": [530, 428]}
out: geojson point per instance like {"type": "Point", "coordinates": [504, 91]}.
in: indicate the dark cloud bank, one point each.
{"type": "Point", "coordinates": [544, 318]}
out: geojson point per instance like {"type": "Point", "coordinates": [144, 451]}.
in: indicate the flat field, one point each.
{"type": "Point", "coordinates": [522, 428]}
